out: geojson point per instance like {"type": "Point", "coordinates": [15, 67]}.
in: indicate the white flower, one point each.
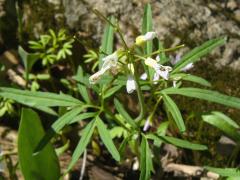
{"type": "Point", "coordinates": [147, 37]}
{"type": "Point", "coordinates": [109, 63]}
{"type": "Point", "coordinates": [160, 70]}
{"type": "Point", "coordinates": [131, 84]}
{"type": "Point", "coordinates": [147, 124]}
{"type": "Point", "coordinates": [177, 59]}
{"type": "Point", "coordinates": [158, 58]}
{"type": "Point", "coordinates": [143, 76]}
{"type": "Point", "coordinates": [187, 67]}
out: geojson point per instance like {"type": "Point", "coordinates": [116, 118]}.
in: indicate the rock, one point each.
{"type": "Point", "coordinates": [237, 15]}
{"type": "Point", "coordinates": [232, 4]}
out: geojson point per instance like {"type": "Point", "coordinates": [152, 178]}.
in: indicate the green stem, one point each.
{"type": "Point", "coordinates": [139, 91]}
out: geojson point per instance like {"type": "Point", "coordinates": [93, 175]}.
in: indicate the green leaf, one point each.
{"type": "Point", "coordinates": [232, 172]}
{"type": "Point", "coordinates": [57, 126]}
{"type": "Point", "coordinates": [112, 91]}
{"type": "Point", "coordinates": [86, 136]}
{"type": "Point", "coordinates": [226, 118]}
{"type": "Point", "coordinates": [107, 41]}
{"type": "Point", "coordinates": [223, 125]}
{"type": "Point", "coordinates": [106, 138]}
{"type": "Point", "coordinates": [28, 58]}
{"type": "Point", "coordinates": [176, 114]}
{"type": "Point", "coordinates": [124, 113]}
{"type": "Point", "coordinates": [147, 27]}
{"type": "Point", "coordinates": [198, 52]}
{"type": "Point", "coordinates": [146, 160]}
{"type": "Point", "coordinates": [182, 143]}
{"type": "Point", "coordinates": [192, 78]}
{"type": "Point", "coordinates": [45, 165]}
{"type": "Point", "coordinates": [63, 148]}
{"type": "Point", "coordinates": [162, 55]}
{"type": "Point", "coordinates": [82, 88]}
{"type": "Point", "coordinates": [46, 110]}
{"type": "Point", "coordinates": [208, 95]}
{"type": "Point", "coordinates": [83, 116]}
{"type": "Point", "coordinates": [33, 99]}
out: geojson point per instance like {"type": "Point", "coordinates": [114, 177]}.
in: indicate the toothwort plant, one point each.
{"type": "Point", "coordinates": [142, 68]}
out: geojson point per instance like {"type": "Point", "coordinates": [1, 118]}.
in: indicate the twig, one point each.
{"type": "Point", "coordinates": [189, 170]}
{"type": "Point", "coordinates": [83, 165]}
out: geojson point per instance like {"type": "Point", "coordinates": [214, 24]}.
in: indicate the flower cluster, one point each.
{"type": "Point", "coordinates": [111, 63]}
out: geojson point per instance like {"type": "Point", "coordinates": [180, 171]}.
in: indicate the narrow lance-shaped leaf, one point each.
{"type": "Point", "coordinates": [192, 78]}
{"type": "Point", "coordinates": [33, 99]}
{"type": "Point", "coordinates": [124, 113]}
{"type": "Point", "coordinates": [225, 172]}
{"type": "Point", "coordinates": [223, 125]}
{"type": "Point", "coordinates": [176, 114]}
{"type": "Point", "coordinates": [82, 88]}
{"type": "Point", "coordinates": [198, 52]}
{"type": "Point", "coordinates": [208, 95]}
{"type": "Point", "coordinates": [145, 161]}
{"type": "Point", "coordinates": [86, 136]}
{"type": "Point", "coordinates": [147, 27]}
{"type": "Point", "coordinates": [112, 91]}
{"type": "Point", "coordinates": [182, 143]}
{"type": "Point", "coordinates": [45, 165]}
{"type": "Point", "coordinates": [107, 41]}
{"type": "Point", "coordinates": [106, 138]}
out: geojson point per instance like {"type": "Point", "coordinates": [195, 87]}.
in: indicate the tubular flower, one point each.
{"type": "Point", "coordinates": [143, 38]}
{"type": "Point", "coordinates": [160, 70]}
{"type": "Point", "coordinates": [109, 63]}
{"type": "Point", "coordinates": [131, 84]}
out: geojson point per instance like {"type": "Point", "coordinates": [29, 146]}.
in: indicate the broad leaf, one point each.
{"type": "Point", "coordinates": [198, 52]}
{"type": "Point", "coordinates": [45, 165]}
{"type": "Point", "coordinates": [86, 136]}
{"type": "Point", "coordinates": [208, 95]}
{"type": "Point", "coordinates": [106, 138]}
{"type": "Point", "coordinates": [33, 99]}
{"type": "Point", "coordinates": [28, 58]}
{"type": "Point", "coordinates": [176, 114]}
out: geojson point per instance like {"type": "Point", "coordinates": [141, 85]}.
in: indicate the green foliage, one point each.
{"type": "Point", "coordinates": [103, 96]}
{"type": "Point", "coordinates": [45, 165]}
{"type": "Point", "coordinates": [52, 47]}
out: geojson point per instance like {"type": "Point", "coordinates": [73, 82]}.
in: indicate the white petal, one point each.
{"type": "Point", "coordinates": [131, 85]}
{"type": "Point", "coordinates": [164, 74]}
{"type": "Point", "coordinates": [143, 76]}
{"type": "Point", "coordinates": [95, 77]}
{"type": "Point", "coordinates": [150, 36]}
{"type": "Point", "coordinates": [146, 125]}
{"type": "Point", "coordinates": [158, 58]}
{"type": "Point", "coordinates": [151, 62]}
{"type": "Point", "coordinates": [187, 67]}
{"type": "Point", "coordinates": [155, 78]}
